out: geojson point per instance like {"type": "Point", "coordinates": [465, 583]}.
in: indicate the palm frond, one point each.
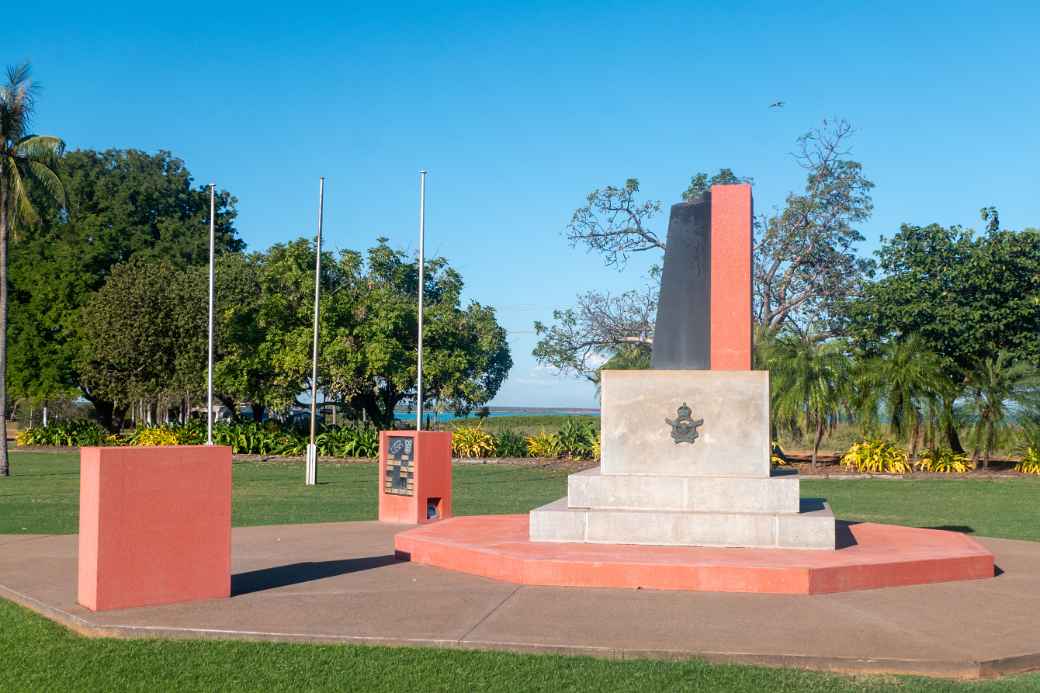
{"type": "Point", "coordinates": [17, 97]}
{"type": "Point", "coordinates": [24, 213]}
{"type": "Point", "coordinates": [45, 176]}
{"type": "Point", "coordinates": [19, 74]}
{"type": "Point", "coordinates": [43, 148]}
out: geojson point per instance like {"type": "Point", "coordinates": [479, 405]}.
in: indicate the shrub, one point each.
{"type": "Point", "coordinates": [544, 445]}
{"type": "Point", "coordinates": [72, 433]}
{"type": "Point", "coordinates": [1030, 462]}
{"type": "Point", "coordinates": [153, 436]}
{"type": "Point", "coordinates": [472, 441]}
{"type": "Point", "coordinates": [260, 439]}
{"type": "Point", "coordinates": [577, 439]}
{"type": "Point", "coordinates": [510, 444]}
{"type": "Point", "coordinates": [944, 461]}
{"type": "Point", "coordinates": [348, 441]}
{"type": "Point", "coordinates": [877, 457]}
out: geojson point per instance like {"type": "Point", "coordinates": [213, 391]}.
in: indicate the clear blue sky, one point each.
{"type": "Point", "coordinates": [519, 110]}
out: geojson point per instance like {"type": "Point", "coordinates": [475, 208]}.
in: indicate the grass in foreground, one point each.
{"type": "Point", "coordinates": [43, 495]}
{"type": "Point", "coordinates": [41, 655]}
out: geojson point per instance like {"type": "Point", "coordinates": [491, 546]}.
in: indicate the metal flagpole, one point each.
{"type": "Point", "coordinates": [312, 449]}
{"type": "Point", "coordinates": [212, 274]}
{"type": "Point", "coordinates": [422, 268]}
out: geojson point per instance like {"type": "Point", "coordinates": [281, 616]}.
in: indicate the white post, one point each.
{"type": "Point", "coordinates": [312, 449]}
{"type": "Point", "coordinates": [422, 268]}
{"type": "Point", "coordinates": [212, 274]}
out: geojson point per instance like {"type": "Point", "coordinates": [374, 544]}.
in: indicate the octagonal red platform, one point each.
{"type": "Point", "coordinates": [871, 556]}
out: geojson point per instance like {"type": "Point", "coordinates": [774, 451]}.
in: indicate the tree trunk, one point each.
{"type": "Point", "coordinates": [119, 417]}
{"type": "Point", "coordinates": [914, 436]}
{"type": "Point", "coordinates": [5, 463]}
{"type": "Point", "coordinates": [979, 428]}
{"type": "Point", "coordinates": [368, 404]}
{"type": "Point", "coordinates": [816, 443]}
{"type": "Point", "coordinates": [103, 410]}
{"type": "Point", "coordinates": [988, 444]}
{"type": "Point", "coordinates": [952, 436]}
{"type": "Point", "coordinates": [227, 402]}
{"type": "Point", "coordinates": [258, 412]}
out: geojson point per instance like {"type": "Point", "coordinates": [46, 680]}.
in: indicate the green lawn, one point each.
{"type": "Point", "coordinates": [42, 496]}
{"type": "Point", "coordinates": [42, 656]}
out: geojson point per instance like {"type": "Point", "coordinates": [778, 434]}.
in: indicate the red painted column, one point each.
{"type": "Point", "coordinates": [731, 210]}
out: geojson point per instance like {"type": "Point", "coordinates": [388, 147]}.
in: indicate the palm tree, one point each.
{"type": "Point", "coordinates": [905, 382]}
{"type": "Point", "coordinates": [994, 384]}
{"type": "Point", "coordinates": [24, 159]}
{"type": "Point", "coordinates": [809, 383]}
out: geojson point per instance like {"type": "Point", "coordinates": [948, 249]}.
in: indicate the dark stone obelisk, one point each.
{"type": "Point", "coordinates": [682, 335]}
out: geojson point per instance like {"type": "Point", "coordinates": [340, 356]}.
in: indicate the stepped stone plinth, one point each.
{"type": "Point", "coordinates": [685, 462]}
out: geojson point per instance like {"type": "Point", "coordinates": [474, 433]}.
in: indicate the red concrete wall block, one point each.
{"type": "Point", "coordinates": [154, 525]}
{"type": "Point", "coordinates": [414, 483]}
{"type": "Point", "coordinates": [731, 210]}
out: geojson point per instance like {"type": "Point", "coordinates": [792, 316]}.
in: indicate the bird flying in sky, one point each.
{"type": "Point", "coordinates": [777, 104]}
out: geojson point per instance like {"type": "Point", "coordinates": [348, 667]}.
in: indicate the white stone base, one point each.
{"type": "Point", "coordinates": [732, 408]}
{"type": "Point", "coordinates": [660, 485]}
{"type": "Point", "coordinates": [812, 528]}
{"type": "Point", "coordinates": [593, 489]}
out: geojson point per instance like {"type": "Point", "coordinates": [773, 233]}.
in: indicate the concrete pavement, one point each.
{"type": "Point", "coordinates": [339, 582]}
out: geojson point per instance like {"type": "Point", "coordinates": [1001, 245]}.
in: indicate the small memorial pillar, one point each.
{"type": "Point", "coordinates": [154, 525]}
{"type": "Point", "coordinates": [414, 476]}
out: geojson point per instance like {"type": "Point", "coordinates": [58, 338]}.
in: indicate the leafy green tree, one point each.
{"type": "Point", "coordinates": [701, 182]}
{"type": "Point", "coordinates": [903, 383]}
{"type": "Point", "coordinates": [277, 365]}
{"type": "Point", "coordinates": [369, 337]}
{"type": "Point", "coordinates": [133, 334]}
{"type": "Point", "coordinates": [809, 384]}
{"type": "Point", "coordinates": [243, 373]}
{"type": "Point", "coordinates": [996, 383]}
{"type": "Point", "coordinates": [367, 332]}
{"type": "Point", "coordinates": [121, 204]}
{"type": "Point", "coordinates": [25, 160]}
{"type": "Point", "coordinates": [966, 296]}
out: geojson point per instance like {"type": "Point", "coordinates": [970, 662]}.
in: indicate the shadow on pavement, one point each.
{"type": "Point", "coordinates": [296, 573]}
{"type": "Point", "coordinates": [843, 538]}
{"type": "Point", "coordinates": [963, 529]}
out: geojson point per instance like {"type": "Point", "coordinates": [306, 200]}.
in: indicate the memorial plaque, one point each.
{"type": "Point", "coordinates": [400, 466]}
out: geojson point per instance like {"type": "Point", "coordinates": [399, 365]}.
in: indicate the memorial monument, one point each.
{"type": "Point", "coordinates": [685, 497]}
{"type": "Point", "coordinates": [686, 445]}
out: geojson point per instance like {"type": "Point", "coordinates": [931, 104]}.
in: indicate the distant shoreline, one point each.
{"type": "Point", "coordinates": [506, 411]}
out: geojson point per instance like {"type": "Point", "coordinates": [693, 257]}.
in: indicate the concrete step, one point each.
{"type": "Point", "coordinates": [811, 528]}
{"type": "Point", "coordinates": [593, 489]}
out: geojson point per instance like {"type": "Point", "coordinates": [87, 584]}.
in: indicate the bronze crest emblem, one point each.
{"type": "Point", "coordinates": [684, 427]}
